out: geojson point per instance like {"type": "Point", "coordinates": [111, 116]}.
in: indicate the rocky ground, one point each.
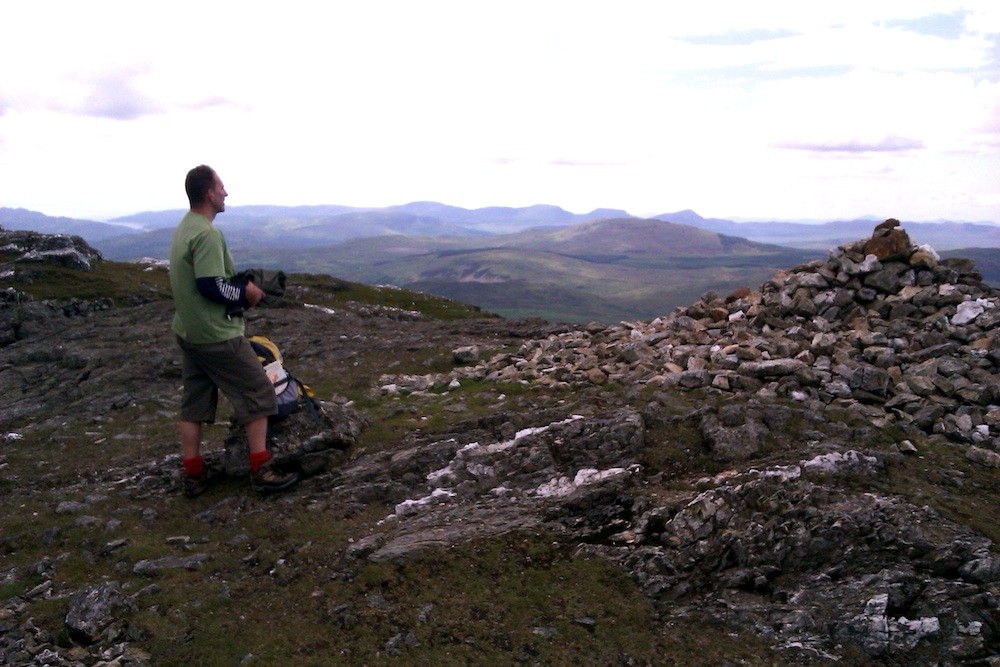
{"type": "Point", "coordinates": [804, 473]}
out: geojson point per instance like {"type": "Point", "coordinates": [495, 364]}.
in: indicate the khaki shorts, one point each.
{"type": "Point", "coordinates": [231, 367]}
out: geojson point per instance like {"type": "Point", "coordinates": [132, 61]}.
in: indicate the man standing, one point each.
{"type": "Point", "coordinates": [215, 354]}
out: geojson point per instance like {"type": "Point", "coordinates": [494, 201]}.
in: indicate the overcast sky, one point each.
{"type": "Point", "coordinates": [767, 110]}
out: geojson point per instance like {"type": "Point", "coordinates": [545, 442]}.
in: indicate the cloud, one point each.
{"type": "Point", "coordinates": [947, 26]}
{"type": "Point", "coordinates": [115, 97]}
{"type": "Point", "coordinates": [885, 145]}
{"type": "Point", "coordinates": [579, 103]}
{"type": "Point", "coordinates": [736, 37]}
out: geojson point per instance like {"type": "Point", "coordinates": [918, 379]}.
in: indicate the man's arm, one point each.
{"type": "Point", "coordinates": [220, 290]}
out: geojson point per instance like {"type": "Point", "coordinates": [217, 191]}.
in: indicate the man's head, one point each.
{"type": "Point", "coordinates": [205, 191]}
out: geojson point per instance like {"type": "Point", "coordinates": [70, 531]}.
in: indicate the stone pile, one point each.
{"type": "Point", "coordinates": [881, 327]}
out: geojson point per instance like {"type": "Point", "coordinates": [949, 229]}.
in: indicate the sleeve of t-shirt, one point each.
{"type": "Point", "coordinates": [208, 254]}
{"type": "Point", "coordinates": [220, 290]}
{"type": "Point", "coordinates": [208, 258]}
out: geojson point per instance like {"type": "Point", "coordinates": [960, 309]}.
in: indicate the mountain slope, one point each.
{"type": "Point", "coordinates": [603, 270]}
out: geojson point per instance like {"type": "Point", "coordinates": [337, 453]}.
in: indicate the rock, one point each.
{"type": "Point", "coordinates": [984, 457]}
{"type": "Point", "coordinates": [468, 354]}
{"type": "Point", "coordinates": [981, 570]}
{"type": "Point", "coordinates": [58, 249]}
{"type": "Point", "coordinates": [94, 609]}
{"type": "Point", "coordinates": [968, 311]}
{"type": "Point", "coordinates": [306, 440]}
{"type": "Point", "coordinates": [772, 368]}
{"type": "Point", "coordinates": [154, 566]}
{"type": "Point", "coordinates": [737, 440]}
{"type": "Point", "coordinates": [889, 244]}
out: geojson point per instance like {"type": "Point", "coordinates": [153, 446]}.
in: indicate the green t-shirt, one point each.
{"type": "Point", "coordinates": [199, 251]}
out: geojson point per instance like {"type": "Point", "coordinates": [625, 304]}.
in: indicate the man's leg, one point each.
{"type": "Point", "coordinates": [190, 438]}
{"type": "Point", "coordinates": [256, 431]}
{"type": "Point", "coordinates": [194, 464]}
{"type": "Point", "coordinates": [265, 478]}
{"type": "Point", "coordinates": [198, 404]}
{"type": "Point", "coordinates": [197, 477]}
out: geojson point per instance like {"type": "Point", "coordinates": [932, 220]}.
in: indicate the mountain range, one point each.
{"type": "Point", "coordinates": [534, 261]}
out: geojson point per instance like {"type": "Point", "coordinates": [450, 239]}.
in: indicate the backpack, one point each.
{"type": "Point", "coordinates": [290, 392]}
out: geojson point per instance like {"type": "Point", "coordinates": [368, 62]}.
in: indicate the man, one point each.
{"type": "Point", "coordinates": [215, 354]}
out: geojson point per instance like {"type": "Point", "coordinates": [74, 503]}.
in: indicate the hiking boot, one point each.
{"type": "Point", "coordinates": [209, 477]}
{"type": "Point", "coordinates": [269, 480]}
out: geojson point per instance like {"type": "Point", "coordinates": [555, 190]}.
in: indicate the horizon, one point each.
{"type": "Point", "coordinates": [784, 112]}
{"type": "Point", "coordinates": [122, 220]}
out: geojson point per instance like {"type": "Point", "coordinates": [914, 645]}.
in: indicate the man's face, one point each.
{"type": "Point", "coordinates": [217, 195]}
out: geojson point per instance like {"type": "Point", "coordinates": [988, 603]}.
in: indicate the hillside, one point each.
{"type": "Point", "coordinates": [800, 474]}
{"type": "Point", "coordinates": [604, 271]}
{"type": "Point", "coordinates": [537, 261]}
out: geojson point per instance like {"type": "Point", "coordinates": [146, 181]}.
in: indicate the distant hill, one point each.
{"type": "Point", "coordinates": [945, 235]}
{"type": "Point", "coordinates": [21, 219]}
{"type": "Point", "coordinates": [537, 260]}
{"type": "Point", "coordinates": [605, 270]}
{"type": "Point", "coordinates": [498, 219]}
{"type": "Point", "coordinates": [310, 226]}
{"type": "Point", "coordinates": [300, 226]}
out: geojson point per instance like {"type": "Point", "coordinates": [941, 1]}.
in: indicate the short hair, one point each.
{"type": "Point", "coordinates": [199, 181]}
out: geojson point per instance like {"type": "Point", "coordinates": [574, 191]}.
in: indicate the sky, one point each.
{"type": "Point", "coordinates": [740, 110]}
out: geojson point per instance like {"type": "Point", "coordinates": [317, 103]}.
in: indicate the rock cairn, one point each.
{"type": "Point", "coordinates": [881, 327]}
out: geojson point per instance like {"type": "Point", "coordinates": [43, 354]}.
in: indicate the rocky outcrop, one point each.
{"type": "Point", "coordinates": [306, 441]}
{"type": "Point", "coordinates": [58, 249]}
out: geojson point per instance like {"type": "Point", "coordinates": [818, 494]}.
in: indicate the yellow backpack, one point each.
{"type": "Point", "coordinates": [290, 392]}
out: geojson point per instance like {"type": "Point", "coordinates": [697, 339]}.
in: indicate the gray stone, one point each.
{"type": "Point", "coordinates": [94, 609]}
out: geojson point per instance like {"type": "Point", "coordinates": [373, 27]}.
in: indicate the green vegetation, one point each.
{"type": "Point", "coordinates": [972, 489]}
{"type": "Point", "coordinates": [127, 282]}
{"type": "Point", "coordinates": [121, 282]}
{"type": "Point", "coordinates": [324, 290]}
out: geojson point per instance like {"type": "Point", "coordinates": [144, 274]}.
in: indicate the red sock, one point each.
{"type": "Point", "coordinates": [257, 459]}
{"type": "Point", "coordinates": [194, 465]}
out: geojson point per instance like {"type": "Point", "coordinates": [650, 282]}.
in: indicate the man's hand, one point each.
{"type": "Point", "coordinates": [254, 294]}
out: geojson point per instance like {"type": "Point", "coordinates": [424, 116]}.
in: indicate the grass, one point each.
{"type": "Point", "coordinates": [121, 282]}
{"type": "Point", "coordinates": [502, 601]}
{"type": "Point", "coordinates": [942, 477]}
{"type": "Point", "coordinates": [331, 292]}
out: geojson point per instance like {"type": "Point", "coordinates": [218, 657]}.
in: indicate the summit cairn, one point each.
{"type": "Point", "coordinates": [882, 327]}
